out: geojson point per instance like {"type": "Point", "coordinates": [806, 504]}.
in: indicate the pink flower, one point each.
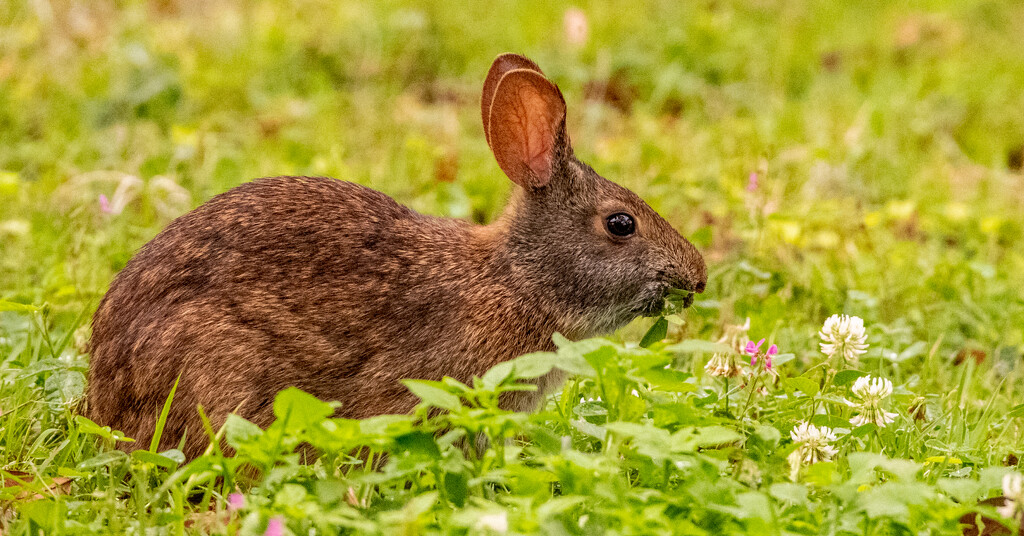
{"type": "Point", "coordinates": [236, 501]}
{"type": "Point", "coordinates": [752, 182]}
{"type": "Point", "coordinates": [275, 527]}
{"type": "Point", "coordinates": [105, 205]}
{"type": "Point", "coordinates": [752, 350]}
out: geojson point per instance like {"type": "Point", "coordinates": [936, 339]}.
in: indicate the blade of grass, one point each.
{"type": "Point", "coordinates": [162, 421]}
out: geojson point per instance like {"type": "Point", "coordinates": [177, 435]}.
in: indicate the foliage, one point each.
{"type": "Point", "coordinates": [826, 157]}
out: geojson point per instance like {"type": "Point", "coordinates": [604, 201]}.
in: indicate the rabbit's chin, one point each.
{"type": "Point", "coordinates": [651, 301]}
{"type": "Point", "coordinates": [648, 303]}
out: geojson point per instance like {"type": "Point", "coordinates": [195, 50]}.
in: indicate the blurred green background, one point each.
{"type": "Point", "coordinates": [863, 157]}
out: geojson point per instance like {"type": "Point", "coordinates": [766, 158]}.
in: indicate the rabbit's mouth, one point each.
{"type": "Point", "coordinates": [654, 302]}
{"type": "Point", "coordinates": [651, 307]}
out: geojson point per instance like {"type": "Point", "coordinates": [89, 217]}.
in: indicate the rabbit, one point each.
{"type": "Point", "coordinates": [338, 290]}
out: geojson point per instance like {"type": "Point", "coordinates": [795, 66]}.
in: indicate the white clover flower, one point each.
{"type": "Point", "coordinates": [813, 446]}
{"type": "Point", "coordinates": [496, 522]}
{"type": "Point", "coordinates": [726, 365]}
{"type": "Point", "coordinates": [843, 338]}
{"type": "Point", "coordinates": [870, 392]}
{"type": "Point", "coordinates": [1013, 490]}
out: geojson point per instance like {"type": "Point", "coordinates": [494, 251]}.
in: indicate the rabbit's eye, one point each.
{"type": "Point", "coordinates": [621, 224]}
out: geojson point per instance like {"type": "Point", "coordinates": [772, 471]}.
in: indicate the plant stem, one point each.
{"type": "Point", "coordinates": [750, 397]}
{"type": "Point", "coordinates": [725, 397]}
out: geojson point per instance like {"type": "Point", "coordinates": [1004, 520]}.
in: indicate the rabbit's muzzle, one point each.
{"type": "Point", "coordinates": [651, 300]}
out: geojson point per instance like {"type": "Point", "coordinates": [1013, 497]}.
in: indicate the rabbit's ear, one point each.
{"type": "Point", "coordinates": [526, 124]}
{"type": "Point", "coordinates": [501, 66]}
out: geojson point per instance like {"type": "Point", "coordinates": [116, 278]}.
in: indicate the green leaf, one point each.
{"type": "Point", "coordinates": [590, 409]}
{"type": "Point", "coordinates": [571, 355]}
{"type": "Point", "coordinates": [102, 459]}
{"type": "Point", "coordinates": [496, 375]}
{"type": "Point", "coordinates": [807, 386]}
{"type": "Point", "coordinates": [159, 460]}
{"type": "Point", "coordinates": [239, 431]}
{"type": "Point", "coordinates": [453, 385]}
{"type": "Point", "coordinates": [558, 505]}
{"type": "Point", "coordinates": [589, 429]}
{"type": "Point", "coordinates": [893, 499]}
{"type": "Point", "coordinates": [418, 506]}
{"type": "Point", "coordinates": [964, 490]}
{"type": "Point", "coordinates": [690, 438]}
{"type": "Point", "coordinates": [864, 429]}
{"type": "Point", "coordinates": [419, 444]}
{"type": "Point", "coordinates": [832, 421]}
{"type": "Point", "coordinates": [17, 307]}
{"type": "Point", "coordinates": [864, 464]}
{"type": "Point", "coordinates": [333, 434]}
{"type": "Point", "coordinates": [648, 440]}
{"type": "Point", "coordinates": [821, 474]}
{"type": "Point", "coordinates": [290, 495]}
{"type": "Point", "coordinates": [86, 426]}
{"type": "Point", "coordinates": [768, 434]}
{"type": "Point", "coordinates": [789, 492]}
{"type": "Point", "coordinates": [174, 455]}
{"type": "Point", "coordinates": [62, 388]}
{"type": "Point", "coordinates": [599, 357]}
{"type": "Point", "coordinates": [385, 425]}
{"type": "Point", "coordinates": [990, 478]}
{"type": "Point", "coordinates": [43, 513]}
{"type": "Point", "coordinates": [782, 359]}
{"type": "Point", "coordinates": [433, 394]}
{"type": "Point", "coordinates": [299, 409]}
{"type": "Point", "coordinates": [575, 365]}
{"type": "Point", "coordinates": [675, 320]}
{"type": "Point", "coordinates": [331, 490]}
{"type": "Point", "coordinates": [847, 377]}
{"type": "Point", "coordinates": [670, 380]}
{"type": "Point", "coordinates": [754, 505]}
{"type": "Point", "coordinates": [657, 333]}
{"type": "Point", "coordinates": [533, 365]}
{"type": "Point", "coordinates": [560, 340]}
{"type": "Point", "coordinates": [644, 359]}
{"type": "Point", "coordinates": [456, 487]}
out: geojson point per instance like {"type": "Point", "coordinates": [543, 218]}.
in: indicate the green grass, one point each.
{"type": "Point", "coordinates": [887, 139]}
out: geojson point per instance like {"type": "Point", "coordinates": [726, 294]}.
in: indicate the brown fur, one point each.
{"type": "Point", "coordinates": [338, 290]}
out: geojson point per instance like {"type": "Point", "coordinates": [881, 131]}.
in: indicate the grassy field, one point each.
{"type": "Point", "coordinates": [858, 158]}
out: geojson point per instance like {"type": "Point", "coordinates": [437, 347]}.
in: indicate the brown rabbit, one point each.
{"type": "Point", "coordinates": [338, 290]}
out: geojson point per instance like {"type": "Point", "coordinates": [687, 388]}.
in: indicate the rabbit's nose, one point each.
{"type": "Point", "coordinates": [692, 275]}
{"type": "Point", "coordinates": [690, 284]}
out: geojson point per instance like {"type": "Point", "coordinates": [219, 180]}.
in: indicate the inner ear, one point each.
{"type": "Point", "coordinates": [501, 66]}
{"type": "Point", "coordinates": [526, 122]}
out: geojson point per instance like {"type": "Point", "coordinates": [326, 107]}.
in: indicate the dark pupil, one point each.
{"type": "Point", "coordinates": [621, 224]}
